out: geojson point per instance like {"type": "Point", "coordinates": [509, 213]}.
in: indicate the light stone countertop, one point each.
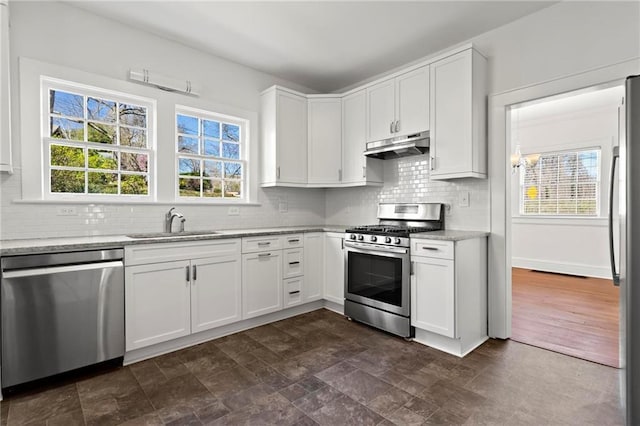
{"type": "Point", "coordinates": [52, 245]}
{"type": "Point", "coordinates": [449, 235]}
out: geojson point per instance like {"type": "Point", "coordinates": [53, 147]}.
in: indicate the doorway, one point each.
{"type": "Point", "coordinates": [562, 297]}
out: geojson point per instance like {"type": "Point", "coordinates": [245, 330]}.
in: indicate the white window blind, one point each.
{"type": "Point", "coordinates": [561, 184]}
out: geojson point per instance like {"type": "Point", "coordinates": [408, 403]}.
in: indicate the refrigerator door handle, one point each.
{"type": "Point", "coordinates": [612, 256]}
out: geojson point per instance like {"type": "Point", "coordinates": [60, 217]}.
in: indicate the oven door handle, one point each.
{"type": "Point", "coordinates": [368, 250]}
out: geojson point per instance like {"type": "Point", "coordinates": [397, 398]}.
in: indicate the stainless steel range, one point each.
{"type": "Point", "coordinates": [377, 265]}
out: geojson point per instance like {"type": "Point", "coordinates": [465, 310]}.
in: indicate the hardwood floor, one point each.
{"type": "Point", "coordinates": [570, 315]}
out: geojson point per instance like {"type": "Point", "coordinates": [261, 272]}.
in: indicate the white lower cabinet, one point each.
{"type": "Point", "coordinates": [334, 267]}
{"type": "Point", "coordinates": [215, 292]}
{"type": "Point", "coordinates": [292, 288]}
{"type": "Point", "coordinates": [314, 266]}
{"type": "Point", "coordinates": [176, 289]}
{"type": "Point", "coordinates": [261, 283]}
{"type": "Point", "coordinates": [449, 293]}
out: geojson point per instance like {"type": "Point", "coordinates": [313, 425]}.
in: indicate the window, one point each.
{"type": "Point", "coordinates": [561, 183]}
{"type": "Point", "coordinates": [211, 159]}
{"type": "Point", "coordinates": [96, 143]}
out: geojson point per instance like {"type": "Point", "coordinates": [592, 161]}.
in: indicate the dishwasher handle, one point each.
{"type": "Point", "coordinates": [59, 259]}
{"type": "Point", "coordinates": [50, 270]}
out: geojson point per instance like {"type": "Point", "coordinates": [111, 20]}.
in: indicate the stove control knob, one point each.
{"type": "Point", "coordinates": [374, 238]}
{"type": "Point", "coordinates": [352, 236]}
{"type": "Point", "coordinates": [360, 237]}
{"type": "Point", "coordinates": [398, 241]}
{"type": "Point", "coordinates": [387, 240]}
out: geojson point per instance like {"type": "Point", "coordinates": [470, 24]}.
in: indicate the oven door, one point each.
{"type": "Point", "coordinates": [377, 276]}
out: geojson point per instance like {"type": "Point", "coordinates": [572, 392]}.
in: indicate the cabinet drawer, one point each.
{"type": "Point", "coordinates": [141, 254]}
{"type": "Point", "coordinates": [292, 241]}
{"type": "Point", "coordinates": [292, 291]}
{"type": "Point", "coordinates": [292, 262]}
{"type": "Point", "coordinates": [266, 243]}
{"type": "Point", "coordinates": [432, 248]}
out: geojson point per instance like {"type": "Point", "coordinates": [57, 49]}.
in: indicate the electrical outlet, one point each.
{"type": "Point", "coordinates": [67, 211]}
{"type": "Point", "coordinates": [233, 211]}
{"type": "Point", "coordinates": [283, 207]}
{"type": "Point", "coordinates": [463, 199]}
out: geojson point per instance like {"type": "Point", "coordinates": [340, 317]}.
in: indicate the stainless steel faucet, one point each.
{"type": "Point", "coordinates": [168, 220]}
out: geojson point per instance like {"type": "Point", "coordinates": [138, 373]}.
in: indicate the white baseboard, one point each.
{"type": "Point", "coordinates": [333, 306]}
{"type": "Point", "coordinates": [562, 267]}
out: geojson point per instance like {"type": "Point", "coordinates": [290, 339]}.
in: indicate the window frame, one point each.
{"type": "Point", "coordinates": [49, 83]}
{"type": "Point", "coordinates": [557, 215]}
{"type": "Point", "coordinates": [245, 158]}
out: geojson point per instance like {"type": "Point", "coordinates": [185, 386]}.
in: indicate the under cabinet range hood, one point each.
{"type": "Point", "coordinates": [415, 144]}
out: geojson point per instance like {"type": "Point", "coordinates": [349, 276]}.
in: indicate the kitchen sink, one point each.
{"type": "Point", "coordinates": [172, 234]}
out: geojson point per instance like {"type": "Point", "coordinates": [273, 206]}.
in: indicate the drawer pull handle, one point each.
{"type": "Point", "coordinates": [266, 243]}
{"type": "Point", "coordinates": [294, 292]}
{"type": "Point", "coordinates": [294, 263]}
{"type": "Point", "coordinates": [264, 255]}
{"type": "Point", "coordinates": [430, 248]}
{"type": "Point", "coordinates": [295, 240]}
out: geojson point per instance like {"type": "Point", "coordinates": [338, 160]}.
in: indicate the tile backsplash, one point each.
{"type": "Point", "coordinates": [41, 220]}
{"type": "Point", "coordinates": [407, 180]}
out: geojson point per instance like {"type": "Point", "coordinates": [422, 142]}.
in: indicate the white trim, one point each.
{"type": "Point", "coordinates": [596, 222]}
{"type": "Point", "coordinates": [562, 267]}
{"type": "Point", "coordinates": [500, 175]}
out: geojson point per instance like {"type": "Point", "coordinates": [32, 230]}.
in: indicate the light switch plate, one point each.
{"type": "Point", "coordinates": [233, 211]}
{"type": "Point", "coordinates": [463, 199]}
{"type": "Point", "coordinates": [283, 207]}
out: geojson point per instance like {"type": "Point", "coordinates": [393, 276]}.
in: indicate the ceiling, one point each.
{"type": "Point", "coordinates": [322, 45]}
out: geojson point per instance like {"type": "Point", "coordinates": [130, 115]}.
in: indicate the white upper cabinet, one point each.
{"type": "Point", "coordinates": [458, 116]}
{"type": "Point", "coordinates": [356, 168]}
{"type": "Point", "coordinates": [283, 137]}
{"type": "Point", "coordinates": [399, 106]}
{"type": "Point", "coordinates": [325, 140]}
{"type": "Point", "coordinates": [5, 114]}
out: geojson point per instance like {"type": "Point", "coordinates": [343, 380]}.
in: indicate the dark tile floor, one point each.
{"type": "Point", "coordinates": [319, 368]}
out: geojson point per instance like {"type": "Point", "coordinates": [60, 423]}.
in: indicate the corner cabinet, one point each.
{"type": "Point", "coordinates": [458, 116]}
{"type": "Point", "coordinates": [325, 140]}
{"type": "Point", "coordinates": [399, 106]}
{"type": "Point", "coordinates": [176, 289]}
{"type": "Point", "coordinates": [283, 137]}
{"type": "Point", "coordinates": [449, 293]}
{"type": "Point", "coordinates": [314, 266]}
{"type": "Point", "coordinates": [357, 169]}
{"type": "Point", "coordinates": [334, 267]}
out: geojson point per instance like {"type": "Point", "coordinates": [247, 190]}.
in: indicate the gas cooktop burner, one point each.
{"type": "Point", "coordinates": [389, 229]}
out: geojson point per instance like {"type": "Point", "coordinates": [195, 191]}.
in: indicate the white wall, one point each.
{"type": "Point", "coordinates": [566, 245]}
{"type": "Point", "coordinates": [64, 35]}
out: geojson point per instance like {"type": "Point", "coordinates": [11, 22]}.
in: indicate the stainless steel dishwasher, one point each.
{"type": "Point", "coordinates": [60, 312]}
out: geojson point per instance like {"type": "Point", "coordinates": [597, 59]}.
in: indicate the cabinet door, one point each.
{"type": "Point", "coordinates": [216, 284]}
{"type": "Point", "coordinates": [261, 283]}
{"type": "Point", "coordinates": [381, 110]}
{"type": "Point", "coordinates": [356, 168]}
{"type": "Point", "coordinates": [157, 303]}
{"type": "Point", "coordinates": [292, 291]}
{"type": "Point", "coordinates": [433, 295]}
{"type": "Point", "coordinates": [334, 267]}
{"type": "Point", "coordinates": [314, 266]}
{"type": "Point", "coordinates": [325, 141]}
{"type": "Point", "coordinates": [412, 101]}
{"type": "Point", "coordinates": [291, 138]}
{"type": "Point", "coordinates": [451, 115]}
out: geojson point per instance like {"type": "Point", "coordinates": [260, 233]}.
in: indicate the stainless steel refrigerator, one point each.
{"type": "Point", "coordinates": [624, 229]}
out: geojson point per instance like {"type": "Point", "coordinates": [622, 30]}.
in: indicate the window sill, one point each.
{"type": "Point", "coordinates": [133, 202]}
{"type": "Point", "coordinates": [560, 221]}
